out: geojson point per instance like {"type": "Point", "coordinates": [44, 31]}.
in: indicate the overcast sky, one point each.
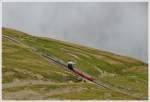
{"type": "Point", "coordinates": [121, 28]}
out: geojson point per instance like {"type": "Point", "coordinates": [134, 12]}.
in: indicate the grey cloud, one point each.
{"type": "Point", "coordinates": [118, 27]}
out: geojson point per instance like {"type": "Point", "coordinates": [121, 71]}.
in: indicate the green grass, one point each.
{"type": "Point", "coordinates": [20, 62]}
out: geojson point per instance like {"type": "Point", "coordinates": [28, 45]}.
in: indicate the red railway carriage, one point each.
{"type": "Point", "coordinates": [71, 66]}
{"type": "Point", "coordinates": [86, 76]}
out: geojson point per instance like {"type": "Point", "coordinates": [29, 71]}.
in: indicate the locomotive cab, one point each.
{"type": "Point", "coordinates": [71, 65]}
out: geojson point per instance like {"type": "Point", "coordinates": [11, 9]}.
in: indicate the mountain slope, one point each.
{"type": "Point", "coordinates": [27, 75]}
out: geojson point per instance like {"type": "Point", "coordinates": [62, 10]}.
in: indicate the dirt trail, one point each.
{"type": "Point", "coordinates": [28, 94]}
{"type": "Point", "coordinates": [63, 90]}
{"type": "Point", "coordinates": [20, 83]}
{"type": "Point", "coordinates": [23, 95]}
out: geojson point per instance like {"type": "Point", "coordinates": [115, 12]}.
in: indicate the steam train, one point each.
{"type": "Point", "coordinates": [71, 66]}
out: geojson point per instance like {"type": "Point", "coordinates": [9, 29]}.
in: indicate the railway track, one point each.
{"type": "Point", "coordinates": [62, 63]}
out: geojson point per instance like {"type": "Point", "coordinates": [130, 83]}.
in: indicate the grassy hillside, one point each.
{"type": "Point", "coordinates": [26, 75]}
